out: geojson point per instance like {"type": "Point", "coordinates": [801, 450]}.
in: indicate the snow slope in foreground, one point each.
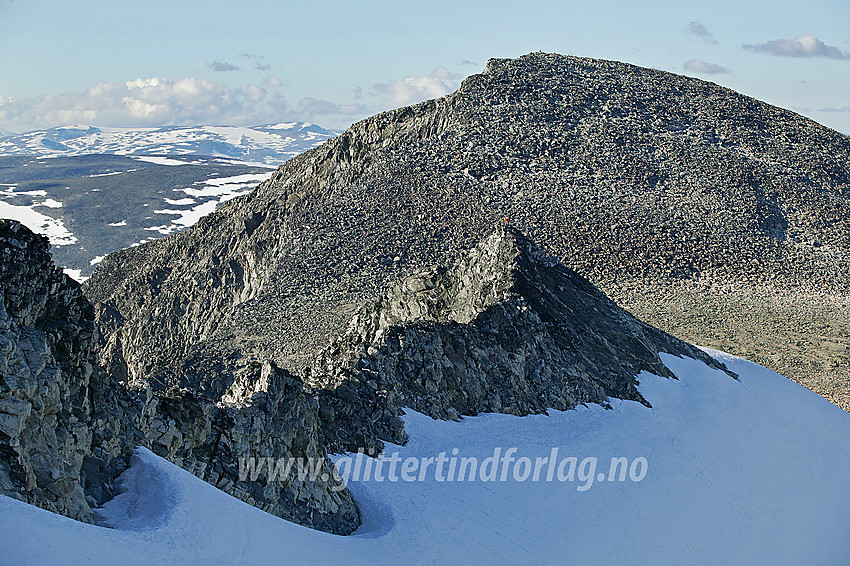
{"type": "Point", "coordinates": [739, 472]}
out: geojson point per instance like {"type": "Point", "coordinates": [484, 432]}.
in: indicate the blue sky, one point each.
{"type": "Point", "coordinates": [150, 63]}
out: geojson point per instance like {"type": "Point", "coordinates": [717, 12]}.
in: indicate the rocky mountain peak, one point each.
{"type": "Point", "coordinates": [640, 180]}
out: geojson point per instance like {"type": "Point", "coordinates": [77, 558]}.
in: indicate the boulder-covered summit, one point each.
{"type": "Point", "coordinates": [718, 217]}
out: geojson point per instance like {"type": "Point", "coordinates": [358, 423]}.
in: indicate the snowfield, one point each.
{"type": "Point", "coordinates": [739, 472]}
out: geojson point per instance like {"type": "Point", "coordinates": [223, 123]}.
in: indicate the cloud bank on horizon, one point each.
{"type": "Point", "coordinates": [145, 103]}
{"type": "Point", "coordinates": [155, 102]}
{"type": "Point", "coordinates": [411, 90]}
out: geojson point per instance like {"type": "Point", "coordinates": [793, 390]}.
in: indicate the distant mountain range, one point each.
{"type": "Point", "coordinates": [270, 144]}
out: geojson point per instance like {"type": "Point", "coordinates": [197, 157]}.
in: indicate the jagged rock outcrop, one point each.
{"type": "Point", "coordinates": [47, 355]}
{"type": "Point", "coordinates": [273, 420]}
{"type": "Point", "coordinates": [67, 428]}
{"type": "Point", "coordinates": [507, 329]}
{"type": "Point", "coordinates": [670, 193]}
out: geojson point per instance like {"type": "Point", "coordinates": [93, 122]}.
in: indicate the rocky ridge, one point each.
{"type": "Point", "coordinates": [68, 428]}
{"type": "Point", "coordinates": [506, 329]}
{"type": "Point", "coordinates": [47, 369]}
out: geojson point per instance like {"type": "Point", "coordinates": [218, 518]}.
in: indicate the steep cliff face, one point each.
{"type": "Point", "coordinates": [68, 428]}
{"type": "Point", "coordinates": [507, 329]}
{"type": "Point", "coordinates": [665, 191]}
{"type": "Point", "coordinates": [47, 335]}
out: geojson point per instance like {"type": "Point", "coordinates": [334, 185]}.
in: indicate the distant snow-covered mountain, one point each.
{"type": "Point", "coordinates": [270, 144]}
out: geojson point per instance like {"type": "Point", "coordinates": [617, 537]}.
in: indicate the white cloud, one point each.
{"type": "Point", "coordinates": [309, 107]}
{"type": "Point", "coordinates": [411, 90]}
{"type": "Point", "coordinates": [698, 66]}
{"type": "Point", "coordinates": [154, 102]}
{"type": "Point", "coordinates": [255, 93]}
{"type": "Point", "coordinates": [804, 46]}
{"type": "Point", "coordinates": [699, 31]}
{"type": "Point", "coordinates": [145, 102]}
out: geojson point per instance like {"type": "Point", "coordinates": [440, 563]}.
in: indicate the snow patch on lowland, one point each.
{"type": "Point", "coordinates": [39, 223]}
{"type": "Point", "coordinates": [203, 198]}
{"type": "Point", "coordinates": [158, 160]}
{"type": "Point", "coordinates": [749, 471]}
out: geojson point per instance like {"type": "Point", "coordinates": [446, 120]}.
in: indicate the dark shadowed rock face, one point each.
{"type": "Point", "coordinates": [506, 329]}
{"type": "Point", "coordinates": [638, 179]}
{"type": "Point", "coordinates": [67, 428]}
